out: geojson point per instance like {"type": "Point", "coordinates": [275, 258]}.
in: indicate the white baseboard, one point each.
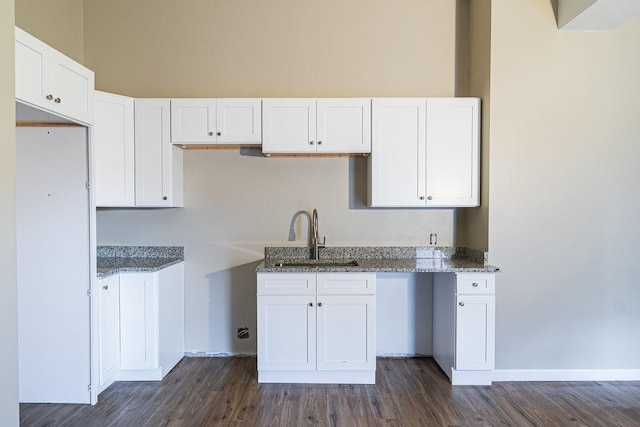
{"type": "Point", "coordinates": [566, 375]}
{"type": "Point", "coordinates": [196, 353]}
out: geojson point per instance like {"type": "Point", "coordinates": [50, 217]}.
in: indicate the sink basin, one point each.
{"type": "Point", "coordinates": [317, 264]}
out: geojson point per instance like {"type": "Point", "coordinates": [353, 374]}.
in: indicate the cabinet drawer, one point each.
{"type": "Point", "coordinates": [346, 284]}
{"type": "Point", "coordinates": [475, 284]}
{"type": "Point", "coordinates": [286, 284]}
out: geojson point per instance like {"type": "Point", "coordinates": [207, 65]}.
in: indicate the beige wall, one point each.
{"type": "Point", "coordinates": [236, 204]}
{"type": "Point", "coordinates": [563, 221]}
{"type": "Point", "coordinates": [8, 284]}
{"type": "Point", "coordinates": [280, 48]}
{"type": "Point", "coordinates": [474, 47]}
{"type": "Point", "coordinates": [57, 22]}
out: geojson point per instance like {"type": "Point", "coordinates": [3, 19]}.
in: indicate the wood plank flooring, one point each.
{"type": "Point", "coordinates": [409, 392]}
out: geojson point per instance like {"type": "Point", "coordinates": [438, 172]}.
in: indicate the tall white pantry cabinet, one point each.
{"type": "Point", "coordinates": [56, 225]}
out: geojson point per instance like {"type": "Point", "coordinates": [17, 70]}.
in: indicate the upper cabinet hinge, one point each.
{"type": "Point", "coordinates": [88, 292]}
{"type": "Point", "coordinates": [88, 186]}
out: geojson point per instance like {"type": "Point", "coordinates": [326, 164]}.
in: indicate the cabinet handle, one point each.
{"type": "Point", "coordinates": [429, 198]}
{"type": "Point", "coordinates": [319, 142]}
{"type": "Point", "coordinates": [475, 285]}
{"type": "Point", "coordinates": [310, 304]}
{"type": "Point", "coordinates": [319, 304]}
{"type": "Point", "coordinates": [421, 197]}
{"type": "Point", "coordinates": [461, 304]}
{"type": "Point", "coordinates": [311, 142]}
{"type": "Point", "coordinates": [49, 97]}
{"type": "Point", "coordinates": [219, 133]}
{"type": "Point", "coordinates": [210, 133]}
{"type": "Point", "coordinates": [105, 287]}
{"type": "Point", "coordinates": [164, 198]}
{"type": "Point", "coordinates": [57, 100]}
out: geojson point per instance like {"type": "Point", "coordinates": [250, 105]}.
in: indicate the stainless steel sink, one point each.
{"type": "Point", "coordinates": [317, 264]}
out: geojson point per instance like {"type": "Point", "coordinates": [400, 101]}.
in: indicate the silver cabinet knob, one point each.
{"type": "Point", "coordinates": [461, 304]}
{"type": "Point", "coordinates": [421, 197]}
{"type": "Point", "coordinates": [475, 285]}
{"type": "Point", "coordinates": [429, 198]}
{"type": "Point", "coordinates": [319, 304]}
{"type": "Point", "coordinates": [49, 97]}
{"type": "Point", "coordinates": [310, 304]}
{"type": "Point", "coordinates": [311, 142]}
{"type": "Point", "coordinates": [319, 142]}
{"type": "Point", "coordinates": [210, 133]}
{"type": "Point", "coordinates": [57, 100]}
{"type": "Point", "coordinates": [105, 287]}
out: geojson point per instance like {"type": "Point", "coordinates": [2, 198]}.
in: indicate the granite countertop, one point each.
{"type": "Point", "coordinates": [379, 260]}
{"type": "Point", "coordinates": [117, 259]}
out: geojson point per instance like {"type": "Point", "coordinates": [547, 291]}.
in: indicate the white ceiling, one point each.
{"type": "Point", "coordinates": [595, 15]}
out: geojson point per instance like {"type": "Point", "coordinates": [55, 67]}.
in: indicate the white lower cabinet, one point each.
{"type": "Point", "coordinates": [148, 316]}
{"type": "Point", "coordinates": [312, 333]}
{"type": "Point", "coordinates": [109, 330]}
{"type": "Point", "coordinates": [464, 326]}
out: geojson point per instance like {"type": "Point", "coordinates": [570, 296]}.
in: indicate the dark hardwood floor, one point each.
{"type": "Point", "coordinates": [409, 392]}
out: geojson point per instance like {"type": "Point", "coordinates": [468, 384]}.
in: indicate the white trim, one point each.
{"type": "Point", "coordinates": [566, 375]}
{"type": "Point", "coordinates": [470, 377]}
{"type": "Point", "coordinates": [317, 377]}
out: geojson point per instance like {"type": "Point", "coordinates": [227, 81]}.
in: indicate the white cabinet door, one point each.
{"type": "Point", "coordinates": [343, 125]}
{"type": "Point", "coordinates": [109, 330]}
{"type": "Point", "coordinates": [193, 120]}
{"type": "Point", "coordinates": [73, 88]}
{"type": "Point", "coordinates": [238, 121]}
{"type": "Point", "coordinates": [397, 161]}
{"type": "Point", "coordinates": [286, 333]}
{"type": "Point", "coordinates": [453, 134]}
{"type": "Point", "coordinates": [346, 332]}
{"type": "Point", "coordinates": [51, 81]}
{"type": "Point", "coordinates": [151, 323]}
{"type": "Point", "coordinates": [33, 70]}
{"type": "Point", "coordinates": [475, 329]}
{"type": "Point", "coordinates": [289, 125]}
{"type": "Point", "coordinates": [113, 135]}
{"type": "Point", "coordinates": [158, 163]}
{"type": "Point", "coordinates": [138, 321]}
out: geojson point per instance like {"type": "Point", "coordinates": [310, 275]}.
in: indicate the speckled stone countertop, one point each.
{"type": "Point", "coordinates": [426, 259]}
{"type": "Point", "coordinates": [117, 259]}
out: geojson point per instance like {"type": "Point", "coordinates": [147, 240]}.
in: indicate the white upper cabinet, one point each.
{"type": "Point", "coordinates": [49, 80]}
{"type": "Point", "coordinates": [425, 152]}
{"type": "Point", "coordinates": [326, 125]}
{"type": "Point", "coordinates": [113, 136]}
{"type": "Point", "coordinates": [216, 121]}
{"type": "Point", "coordinates": [158, 164]}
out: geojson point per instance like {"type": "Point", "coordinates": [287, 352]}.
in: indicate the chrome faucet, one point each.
{"type": "Point", "coordinates": [315, 239]}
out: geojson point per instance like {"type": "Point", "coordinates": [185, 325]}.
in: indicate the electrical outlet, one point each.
{"type": "Point", "coordinates": [433, 239]}
{"type": "Point", "coordinates": [243, 333]}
